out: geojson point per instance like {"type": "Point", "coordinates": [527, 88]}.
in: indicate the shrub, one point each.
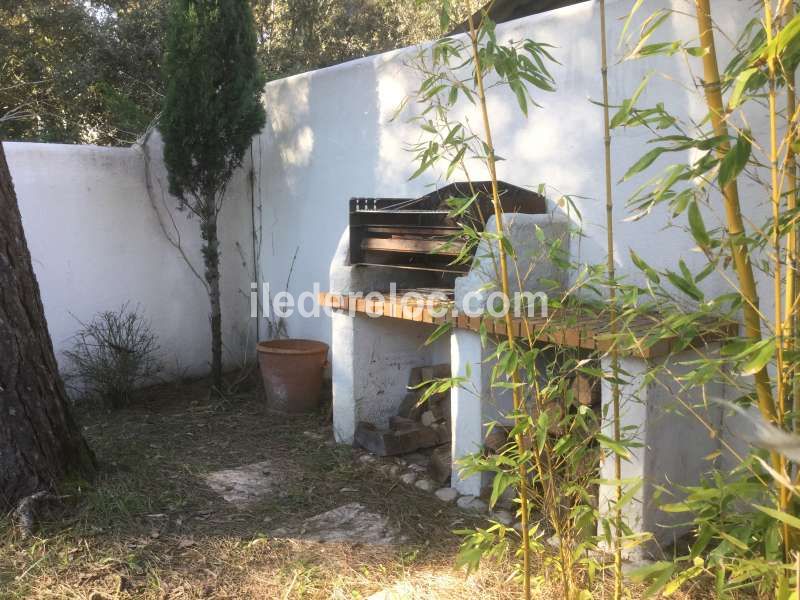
{"type": "Point", "coordinates": [112, 355]}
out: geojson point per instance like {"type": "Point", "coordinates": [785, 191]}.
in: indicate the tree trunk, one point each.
{"type": "Point", "coordinates": [211, 260]}
{"type": "Point", "coordinates": [39, 441]}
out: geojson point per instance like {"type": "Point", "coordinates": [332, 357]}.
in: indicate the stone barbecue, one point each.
{"type": "Point", "coordinates": [379, 337]}
{"type": "Point", "coordinates": [396, 259]}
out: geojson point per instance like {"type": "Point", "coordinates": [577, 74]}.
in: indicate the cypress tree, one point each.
{"type": "Point", "coordinates": [212, 109]}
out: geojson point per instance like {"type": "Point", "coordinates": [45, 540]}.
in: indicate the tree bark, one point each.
{"type": "Point", "coordinates": [211, 261]}
{"type": "Point", "coordinates": [40, 444]}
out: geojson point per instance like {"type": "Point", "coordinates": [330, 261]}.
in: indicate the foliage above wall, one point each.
{"type": "Point", "coordinates": [76, 74]}
{"type": "Point", "coordinates": [89, 72]}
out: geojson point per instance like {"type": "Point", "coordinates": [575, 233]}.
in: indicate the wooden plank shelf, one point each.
{"type": "Point", "coordinates": [585, 329]}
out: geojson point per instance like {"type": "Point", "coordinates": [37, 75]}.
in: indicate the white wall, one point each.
{"type": "Point", "coordinates": [96, 243]}
{"type": "Point", "coordinates": [330, 136]}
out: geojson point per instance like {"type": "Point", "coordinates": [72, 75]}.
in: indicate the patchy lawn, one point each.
{"type": "Point", "coordinates": [151, 527]}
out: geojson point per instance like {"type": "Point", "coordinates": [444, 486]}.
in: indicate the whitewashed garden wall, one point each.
{"type": "Point", "coordinates": [96, 243]}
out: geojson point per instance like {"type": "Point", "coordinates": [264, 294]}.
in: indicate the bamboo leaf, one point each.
{"type": "Point", "coordinates": [629, 494]}
{"type": "Point", "coordinates": [781, 516]}
{"type": "Point", "coordinates": [696, 225]}
{"type": "Point", "coordinates": [739, 86]}
{"type": "Point", "coordinates": [519, 91]}
{"type": "Point", "coordinates": [623, 113]}
{"type": "Point", "coordinates": [734, 161]}
{"type": "Point", "coordinates": [439, 332]}
{"type": "Point", "coordinates": [444, 15]}
{"type": "Point", "coordinates": [649, 26]}
{"type": "Point", "coordinates": [685, 285]}
{"type": "Point", "coordinates": [762, 356]}
{"type": "Point", "coordinates": [644, 162]}
{"type": "Point", "coordinates": [649, 570]}
{"type": "Point", "coordinates": [614, 446]}
{"type": "Point", "coordinates": [636, 6]}
{"type": "Point", "coordinates": [502, 480]}
{"type": "Point", "coordinates": [787, 36]}
{"type": "Point", "coordinates": [667, 48]}
{"type": "Point", "coordinates": [649, 271]}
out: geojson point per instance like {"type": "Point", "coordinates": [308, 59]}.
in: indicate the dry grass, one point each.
{"type": "Point", "coordinates": [149, 527]}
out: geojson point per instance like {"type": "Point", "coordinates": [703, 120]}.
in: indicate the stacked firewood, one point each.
{"type": "Point", "coordinates": [418, 424]}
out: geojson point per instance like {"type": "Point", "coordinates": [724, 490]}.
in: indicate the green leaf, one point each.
{"type": "Point", "coordinates": [685, 285]}
{"type": "Point", "coordinates": [695, 51]}
{"type": "Point", "coordinates": [696, 225]}
{"type": "Point", "coordinates": [614, 446]}
{"type": "Point", "coordinates": [668, 48]}
{"type": "Point", "coordinates": [649, 26]}
{"type": "Point", "coordinates": [658, 574]}
{"type": "Point", "coordinates": [677, 507]}
{"type": "Point", "coordinates": [519, 91]}
{"type": "Point", "coordinates": [734, 161]}
{"type": "Point", "coordinates": [624, 112]}
{"type": "Point", "coordinates": [789, 35]}
{"type": "Point", "coordinates": [739, 86]}
{"type": "Point", "coordinates": [632, 11]}
{"type": "Point", "coordinates": [762, 356]}
{"type": "Point", "coordinates": [649, 271]}
{"type": "Point", "coordinates": [439, 332]}
{"type": "Point", "coordinates": [781, 516]}
{"type": "Point", "coordinates": [502, 480]}
{"type": "Point", "coordinates": [542, 425]}
{"type": "Point", "coordinates": [444, 15]}
{"type": "Point", "coordinates": [644, 162]}
{"type": "Point", "coordinates": [647, 571]}
{"type": "Point", "coordinates": [629, 494]}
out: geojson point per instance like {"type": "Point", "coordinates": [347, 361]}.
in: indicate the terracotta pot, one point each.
{"type": "Point", "coordinates": [292, 373]}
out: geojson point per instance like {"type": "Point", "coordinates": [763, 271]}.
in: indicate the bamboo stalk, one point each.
{"type": "Point", "coordinates": [776, 210]}
{"type": "Point", "coordinates": [790, 323]}
{"type": "Point", "coordinates": [733, 213]}
{"type": "Point", "coordinates": [783, 493]}
{"type": "Point", "coordinates": [615, 392]}
{"type": "Point", "coordinates": [504, 281]}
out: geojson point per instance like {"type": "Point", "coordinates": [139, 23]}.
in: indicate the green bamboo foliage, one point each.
{"type": "Point", "coordinates": [612, 301]}
{"type": "Point", "coordinates": [555, 444]}
{"type": "Point", "coordinates": [519, 405]}
{"type": "Point", "coordinates": [734, 549]}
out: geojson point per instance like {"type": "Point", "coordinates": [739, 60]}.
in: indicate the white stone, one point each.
{"type": "Point", "coordinates": [426, 485]}
{"type": "Point", "coordinates": [351, 523]}
{"type": "Point", "coordinates": [447, 494]}
{"type": "Point", "coordinates": [472, 504]}
{"type": "Point", "coordinates": [246, 484]}
{"type": "Point", "coordinates": [367, 459]}
{"type": "Point", "coordinates": [392, 471]}
{"type": "Point", "coordinates": [408, 478]}
{"type": "Point", "coordinates": [427, 418]}
{"type": "Point", "coordinates": [399, 591]}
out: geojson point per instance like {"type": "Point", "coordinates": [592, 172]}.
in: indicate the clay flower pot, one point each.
{"type": "Point", "coordinates": [292, 373]}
